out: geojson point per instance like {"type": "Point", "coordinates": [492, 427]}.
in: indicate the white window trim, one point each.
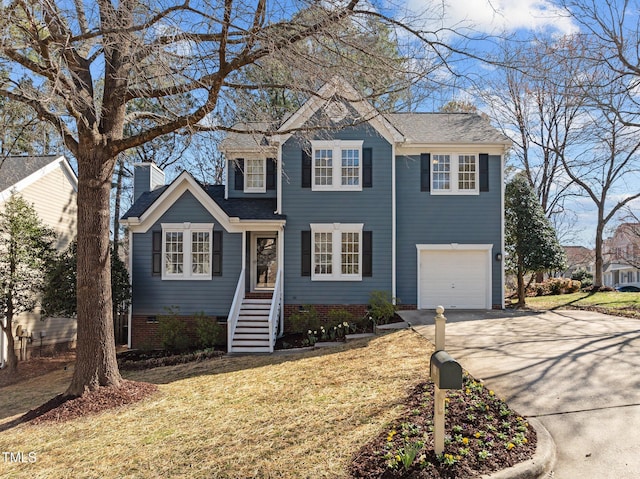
{"type": "Point", "coordinates": [186, 229]}
{"type": "Point", "coordinates": [336, 229]}
{"type": "Point", "coordinates": [454, 172]}
{"type": "Point", "coordinates": [336, 146]}
{"type": "Point", "coordinates": [254, 189]}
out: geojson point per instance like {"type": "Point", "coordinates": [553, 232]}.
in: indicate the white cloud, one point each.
{"type": "Point", "coordinates": [497, 16]}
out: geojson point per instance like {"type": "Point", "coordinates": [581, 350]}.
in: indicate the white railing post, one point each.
{"type": "Point", "coordinates": [274, 311]}
{"type": "Point", "coordinates": [232, 319]}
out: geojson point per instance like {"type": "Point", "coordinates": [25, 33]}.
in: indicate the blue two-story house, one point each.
{"type": "Point", "coordinates": [408, 203]}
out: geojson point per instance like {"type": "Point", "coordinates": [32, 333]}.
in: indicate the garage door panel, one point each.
{"type": "Point", "coordinates": [454, 279]}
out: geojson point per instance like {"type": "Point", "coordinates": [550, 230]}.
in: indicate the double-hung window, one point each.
{"type": "Point", "coordinates": [187, 251]}
{"type": "Point", "coordinates": [336, 252]}
{"type": "Point", "coordinates": [454, 174]}
{"type": "Point", "coordinates": [337, 165]}
{"type": "Point", "coordinates": [254, 175]}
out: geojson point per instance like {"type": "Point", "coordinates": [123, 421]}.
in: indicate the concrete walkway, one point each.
{"type": "Point", "coordinates": [578, 372]}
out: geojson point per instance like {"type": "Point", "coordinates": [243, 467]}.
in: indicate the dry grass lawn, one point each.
{"type": "Point", "coordinates": [284, 416]}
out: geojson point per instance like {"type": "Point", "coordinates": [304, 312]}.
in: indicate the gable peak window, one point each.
{"type": "Point", "coordinates": [454, 174]}
{"type": "Point", "coordinates": [336, 165]}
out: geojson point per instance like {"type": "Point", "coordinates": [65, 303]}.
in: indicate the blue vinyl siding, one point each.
{"type": "Point", "coordinates": [213, 297]}
{"type": "Point", "coordinates": [423, 218]}
{"type": "Point", "coordinates": [371, 206]}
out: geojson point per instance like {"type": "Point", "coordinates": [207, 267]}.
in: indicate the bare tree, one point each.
{"type": "Point", "coordinates": [533, 100]}
{"type": "Point", "coordinates": [607, 164]}
{"type": "Point", "coordinates": [90, 60]}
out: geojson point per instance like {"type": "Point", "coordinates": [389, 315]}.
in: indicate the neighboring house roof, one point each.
{"type": "Point", "coordinates": [242, 208]}
{"type": "Point", "coordinates": [579, 255]}
{"type": "Point", "coordinates": [17, 172]}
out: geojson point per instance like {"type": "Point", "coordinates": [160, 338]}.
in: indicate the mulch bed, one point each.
{"type": "Point", "coordinates": [61, 408]}
{"type": "Point", "coordinates": [479, 429]}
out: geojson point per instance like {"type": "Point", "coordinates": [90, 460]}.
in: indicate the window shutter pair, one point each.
{"type": "Point", "coordinates": [367, 253]}
{"type": "Point", "coordinates": [367, 168]}
{"type": "Point", "coordinates": [425, 171]}
{"type": "Point", "coordinates": [216, 254]}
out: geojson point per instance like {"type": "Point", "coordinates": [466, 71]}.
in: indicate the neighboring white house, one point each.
{"type": "Point", "coordinates": [50, 185]}
{"type": "Point", "coordinates": [622, 256]}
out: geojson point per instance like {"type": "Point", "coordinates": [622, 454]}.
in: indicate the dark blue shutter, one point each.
{"type": "Point", "coordinates": [271, 173]}
{"type": "Point", "coordinates": [367, 254]}
{"type": "Point", "coordinates": [367, 167]}
{"type": "Point", "coordinates": [484, 171]}
{"type": "Point", "coordinates": [425, 172]}
{"type": "Point", "coordinates": [156, 255]}
{"type": "Point", "coordinates": [306, 168]}
{"type": "Point", "coordinates": [239, 175]}
{"type": "Point", "coordinates": [216, 257]}
{"type": "Point", "coordinates": [306, 253]}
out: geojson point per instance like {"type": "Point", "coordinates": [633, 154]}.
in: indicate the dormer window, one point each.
{"type": "Point", "coordinates": [254, 175]}
{"type": "Point", "coordinates": [337, 165]}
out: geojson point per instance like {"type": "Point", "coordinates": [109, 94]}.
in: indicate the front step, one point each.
{"type": "Point", "coordinates": [252, 331]}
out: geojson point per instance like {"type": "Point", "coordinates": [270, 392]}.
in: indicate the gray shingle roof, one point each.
{"type": "Point", "coordinates": [445, 128]}
{"type": "Point", "coordinates": [16, 168]}
{"type": "Point", "coordinates": [243, 208]}
{"type": "Point", "coordinates": [417, 128]}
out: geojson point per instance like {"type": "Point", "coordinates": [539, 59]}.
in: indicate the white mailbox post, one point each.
{"type": "Point", "coordinates": [446, 373]}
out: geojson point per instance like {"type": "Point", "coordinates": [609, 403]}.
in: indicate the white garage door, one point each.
{"type": "Point", "coordinates": [458, 278]}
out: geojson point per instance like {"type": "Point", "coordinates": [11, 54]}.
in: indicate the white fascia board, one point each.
{"type": "Point", "coordinates": [413, 149]}
{"type": "Point", "coordinates": [186, 182]}
{"type": "Point", "coordinates": [60, 162]}
{"type": "Point", "coordinates": [334, 87]}
{"type": "Point", "coordinates": [257, 152]}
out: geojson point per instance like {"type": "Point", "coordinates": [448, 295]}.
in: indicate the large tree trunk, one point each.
{"type": "Point", "coordinates": [521, 288]}
{"type": "Point", "coordinates": [597, 277]}
{"type": "Point", "coordinates": [96, 363]}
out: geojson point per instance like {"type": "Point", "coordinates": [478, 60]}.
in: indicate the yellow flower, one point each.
{"type": "Point", "coordinates": [491, 393]}
{"type": "Point", "coordinates": [510, 446]}
{"type": "Point", "coordinates": [478, 435]}
{"type": "Point", "coordinates": [465, 440]}
{"type": "Point", "coordinates": [398, 458]}
{"type": "Point", "coordinates": [525, 440]}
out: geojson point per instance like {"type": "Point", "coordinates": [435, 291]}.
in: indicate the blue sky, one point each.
{"type": "Point", "coordinates": [520, 18]}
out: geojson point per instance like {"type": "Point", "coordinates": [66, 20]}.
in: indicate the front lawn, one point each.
{"type": "Point", "coordinates": [612, 302]}
{"type": "Point", "coordinates": [297, 415]}
{"type": "Point", "coordinates": [286, 416]}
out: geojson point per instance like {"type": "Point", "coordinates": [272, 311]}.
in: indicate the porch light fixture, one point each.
{"type": "Point", "coordinates": [498, 256]}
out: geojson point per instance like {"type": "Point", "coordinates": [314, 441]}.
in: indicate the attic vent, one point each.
{"type": "Point", "coordinates": [336, 111]}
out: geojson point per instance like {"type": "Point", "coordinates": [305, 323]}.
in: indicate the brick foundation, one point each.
{"type": "Point", "coordinates": [144, 331]}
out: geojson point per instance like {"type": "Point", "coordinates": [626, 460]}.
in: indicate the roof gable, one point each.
{"type": "Point", "coordinates": [18, 172]}
{"type": "Point", "coordinates": [231, 214]}
{"type": "Point", "coordinates": [340, 90]}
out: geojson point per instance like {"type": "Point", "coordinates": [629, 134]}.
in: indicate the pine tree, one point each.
{"type": "Point", "coordinates": [530, 239]}
{"type": "Point", "coordinates": [26, 250]}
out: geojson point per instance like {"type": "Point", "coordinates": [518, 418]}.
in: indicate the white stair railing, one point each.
{"type": "Point", "coordinates": [234, 312]}
{"type": "Point", "coordinates": [275, 311]}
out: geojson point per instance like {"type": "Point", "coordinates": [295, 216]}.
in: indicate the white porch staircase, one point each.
{"type": "Point", "coordinates": [252, 330]}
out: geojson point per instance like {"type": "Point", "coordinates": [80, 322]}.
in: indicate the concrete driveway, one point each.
{"type": "Point", "coordinates": [578, 372]}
